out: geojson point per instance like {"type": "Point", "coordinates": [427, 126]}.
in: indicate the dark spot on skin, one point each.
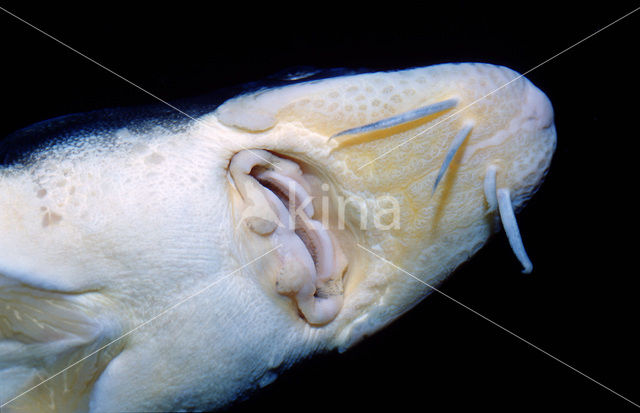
{"type": "Point", "coordinates": [41, 193]}
{"type": "Point", "coordinates": [154, 159]}
{"type": "Point", "coordinates": [50, 218]}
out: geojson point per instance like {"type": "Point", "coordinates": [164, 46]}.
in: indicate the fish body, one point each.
{"type": "Point", "coordinates": [164, 260]}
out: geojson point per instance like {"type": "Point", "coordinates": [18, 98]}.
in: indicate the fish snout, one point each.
{"type": "Point", "coordinates": [534, 145]}
{"type": "Point", "coordinates": [447, 172]}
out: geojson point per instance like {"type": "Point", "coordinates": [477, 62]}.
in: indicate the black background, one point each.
{"type": "Point", "coordinates": [580, 304]}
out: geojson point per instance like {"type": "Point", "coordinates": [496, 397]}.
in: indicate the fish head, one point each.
{"type": "Point", "coordinates": [194, 262]}
{"type": "Point", "coordinates": [404, 202]}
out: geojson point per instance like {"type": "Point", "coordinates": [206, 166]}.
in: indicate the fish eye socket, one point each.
{"type": "Point", "coordinates": [277, 205]}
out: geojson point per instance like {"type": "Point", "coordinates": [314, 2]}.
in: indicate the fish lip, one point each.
{"type": "Point", "coordinates": [311, 263]}
{"type": "Point", "coordinates": [313, 233]}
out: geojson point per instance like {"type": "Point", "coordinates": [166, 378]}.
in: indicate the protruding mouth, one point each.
{"type": "Point", "coordinates": [299, 209]}
{"type": "Point", "coordinates": [277, 205]}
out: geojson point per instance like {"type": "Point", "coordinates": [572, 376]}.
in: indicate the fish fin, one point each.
{"type": "Point", "coordinates": [48, 343]}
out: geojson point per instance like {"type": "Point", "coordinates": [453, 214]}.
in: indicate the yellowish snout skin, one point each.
{"type": "Point", "coordinates": [164, 257]}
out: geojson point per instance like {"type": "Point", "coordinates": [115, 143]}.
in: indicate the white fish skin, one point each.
{"type": "Point", "coordinates": [154, 250]}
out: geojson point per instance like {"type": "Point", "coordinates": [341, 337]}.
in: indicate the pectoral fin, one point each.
{"type": "Point", "coordinates": [42, 335]}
